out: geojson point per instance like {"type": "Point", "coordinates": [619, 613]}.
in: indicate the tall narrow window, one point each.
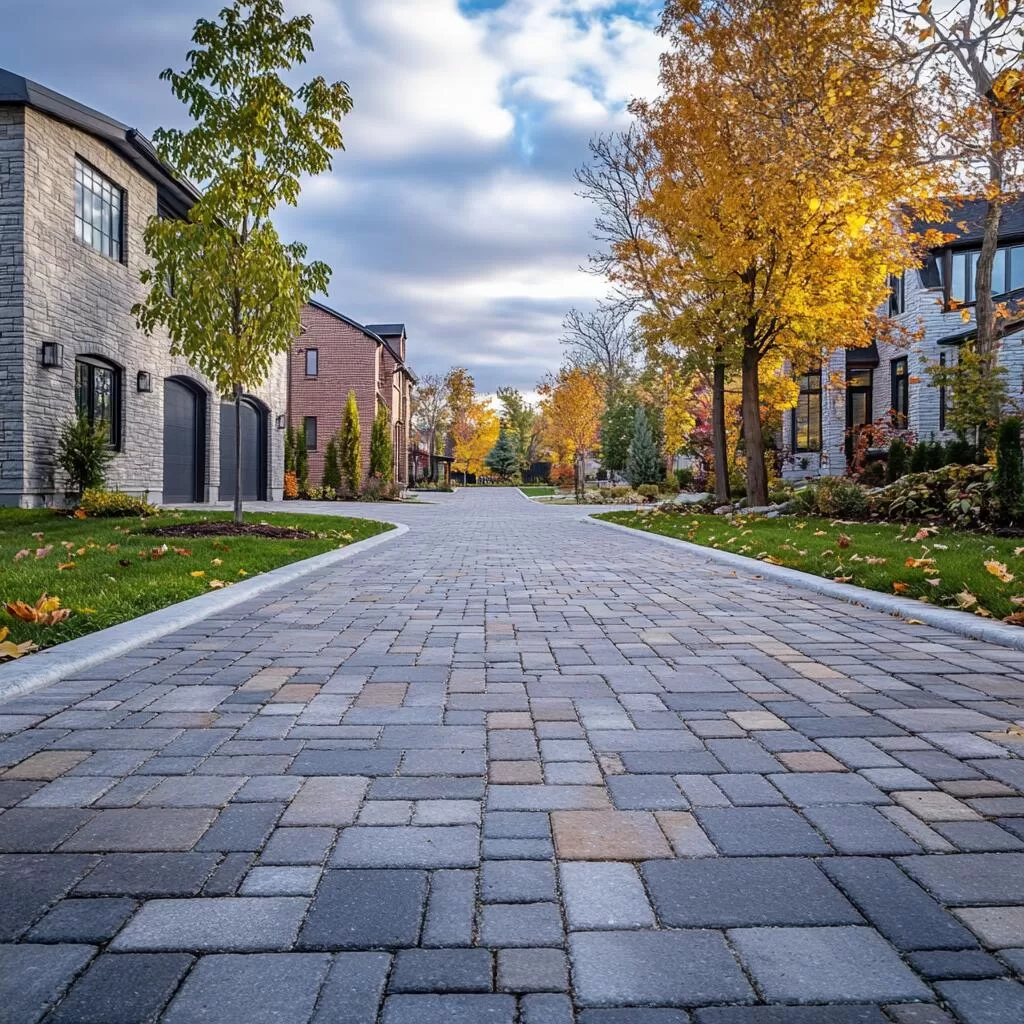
{"type": "Point", "coordinates": [310, 427]}
{"type": "Point", "coordinates": [99, 208]}
{"type": "Point", "coordinates": [897, 294]}
{"type": "Point", "coordinates": [807, 414]}
{"type": "Point", "coordinates": [942, 394]}
{"type": "Point", "coordinates": [312, 362]}
{"type": "Point", "coordinates": [899, 376]}
{"type": "Point", "coordinates": [1015, 278]}
{"type": "Point", "coordinates": [98, 396]}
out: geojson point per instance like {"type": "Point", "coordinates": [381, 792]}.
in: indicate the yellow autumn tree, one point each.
{"type": "Point", "coordinates": [785, 149]}
{"type": "Point", "coordinates": [572, 405]}
{"type": "Point", "coordinates": [475, 434]}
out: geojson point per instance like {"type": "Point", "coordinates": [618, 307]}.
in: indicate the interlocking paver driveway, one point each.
{"type": "Point", "coordinates": [514, 767]}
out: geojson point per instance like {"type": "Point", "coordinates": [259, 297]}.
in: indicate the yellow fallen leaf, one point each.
{"type": "Point", "coordinates": [217, 584]}
{"type": "Point", "coordinates": [965, 599]}
{"type": "Point", "coordinates": [217, 561]}
{"type": "Point", "coordinates": [999, 570]}
{"type": "Point", "coordinates": [61, 566]}
{"type": "Point", "coordinates": [242, 572]}
{"type": "Point", "coordinates": [914, 622]}
{"type": "Point", "coordinates": [9, 649]}
{"type": "Point", "coordinates": [197, 574]}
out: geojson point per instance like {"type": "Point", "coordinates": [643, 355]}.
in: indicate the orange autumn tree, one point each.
{"type": "Point", "coordinates": [786, 147]}
{"type": "Point", "coordinates": [475, 433]}
{"type": "Point", "coordinates": [572, 404]}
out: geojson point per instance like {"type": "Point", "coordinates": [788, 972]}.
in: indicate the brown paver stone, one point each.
{"type": "Point", "coordinates": [608, 835]}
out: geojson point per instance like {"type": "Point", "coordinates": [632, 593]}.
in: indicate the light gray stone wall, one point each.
{"type": "Point", "coordinates": [924, 314]}
{"type": "Point", "coordinates": [83, 299]}
{"type": "Point", "coordinates": [12, 326]}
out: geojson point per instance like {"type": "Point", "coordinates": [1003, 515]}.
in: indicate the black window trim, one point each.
{"type": "Point", "coordinates": [306, 421]}
{"type": "Point", "coordinates": [122, 238]}
{"type": "Point", "coordinates": [795, 411]}
{"type": "Point", "coordinates": [315, 352]}
{"type": "Point", "coordinates": [117, 376]}
{"type": "Point", "coordinates": [899, 391]}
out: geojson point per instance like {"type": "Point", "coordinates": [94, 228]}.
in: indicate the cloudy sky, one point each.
{"type": "Point", "coordinates": [453, 207]}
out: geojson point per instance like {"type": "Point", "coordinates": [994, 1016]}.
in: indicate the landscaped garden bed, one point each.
{"type": "Point", "coordinates": [976, 572]}
{"type": "Point", "coordinates": [109, 570]}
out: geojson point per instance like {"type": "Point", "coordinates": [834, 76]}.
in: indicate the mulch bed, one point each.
{"type": "Point", "coordinates": [215, 528]}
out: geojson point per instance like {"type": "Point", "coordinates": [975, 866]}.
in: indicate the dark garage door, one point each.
{"type": "Point", "coordinates": [253, 452]}
{"type": "Point", "coordinates": [183, 442]}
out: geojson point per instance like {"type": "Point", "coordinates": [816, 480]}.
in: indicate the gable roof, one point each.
{"type": "Point", "coordinates": [174, 192]}
{"type": "Point", "coordinates": [966, 220]}
{"type": "Point", "coordinates": [370, 332]}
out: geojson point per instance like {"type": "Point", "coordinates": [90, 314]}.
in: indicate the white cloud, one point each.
{"type": "Point", "coordinates": [453, 207]}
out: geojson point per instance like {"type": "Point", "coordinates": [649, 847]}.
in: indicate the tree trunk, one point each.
{"type": "Point", "coordinates": [719, 437]}
{"type": "Point", "coordinates": [238, 454]}
{"type": "Point", "coordinates": [757, 477]}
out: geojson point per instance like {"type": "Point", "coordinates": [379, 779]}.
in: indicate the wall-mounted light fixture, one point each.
{"type": "Point", "coordinates": [144, 382]}
{"type": "Point", "coordinates": [53, 354]}
{"type": "Point", "coordinates": [279, 422]}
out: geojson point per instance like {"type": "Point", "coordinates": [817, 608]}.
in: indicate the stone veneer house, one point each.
{"type": "Point", "coordinates": [335, 355]}
{"type": "Point", "coordinates": [890, 384]}
{"type": "Point", "coordinates": [76, 191]}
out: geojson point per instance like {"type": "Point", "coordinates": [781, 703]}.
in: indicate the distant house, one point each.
{"type": "Point", "coordinates": [76, 191]}
{"type": "Point", "coordinates": [889, 384]}
{"type": "Point", "coordinates": [335, 355]}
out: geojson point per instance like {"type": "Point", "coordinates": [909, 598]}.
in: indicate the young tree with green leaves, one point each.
{"type": "Point", "coordinates": [301, 462]}
{"type": "Point", "coordinates": [349, 446]}
{"type": "Point", "coordinates": [643, 464]}
{"type": "Point", "coordinates": [524, 422]}
{"type": "Point", "coordinates": [222, 283]}
{"type": "Point", "coordinates": [617, 425]}
{"type": "Point", "coordinates": [380, 445]}
{"type": "Point", "coordinates": [289, 450]}
{"type": "Point", "coordinates": [332, 471]}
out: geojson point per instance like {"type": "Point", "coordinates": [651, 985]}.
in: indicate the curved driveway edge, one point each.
{"type": "Point", "coordinates": [941, 618]}
{"type": "Point", "coordinates": [63, 660]}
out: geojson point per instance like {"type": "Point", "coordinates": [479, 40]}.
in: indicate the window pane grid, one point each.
{"type": "Point", "coordinates": [98, 206]}
{"type": "Point", "coordinates": [807, 415]}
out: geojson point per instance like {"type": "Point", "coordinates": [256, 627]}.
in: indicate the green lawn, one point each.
{"type": "Point", "coordinates": [114, 571]}
{"type": "Point", "coordinates": [942, 567]}
{"type": "Point", "coordinates": [538, 492]}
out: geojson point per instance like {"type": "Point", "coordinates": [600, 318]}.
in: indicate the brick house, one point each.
{"type": "Point", "coordinates": [76, 191]}
{"type": "Point", "coordinates": [890, 384]}
{"type": "Point", "coordinates": [335, 355]}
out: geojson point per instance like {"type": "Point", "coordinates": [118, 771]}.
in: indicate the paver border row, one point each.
{"type": "Point", "coordinates": [951, 620]}
{"type": "Point", "coordinates": [63, 660]}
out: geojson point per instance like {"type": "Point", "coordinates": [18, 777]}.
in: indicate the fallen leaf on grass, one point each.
{"type": "Point", "coordinates": [1015, 619]}
{"type": "Point", "coordinates": [217, 561]}
{"type": "Point", "coordinates": [9, 649]}
{"type": "Point", "coordinates": [919, 563]}
{"type": "Point", "coordinates": [23, 553]}
{"type": "Point", "coordinates": [43, 552]}
{"type": "Point", "coordinates": [999, 570]}
{"type": "Point", "coordinates": [184, 552]}
{"type": "Point", "coordinates": [873, 560]}
{"type": "Point", "coordinates": [197, 574]}
{"type": "Point", "coordinates": [218, 584]}
{"type": "Point", "coordinates": [965, 599]}
{"type": "Point", "coordinates": [900, 588]}
{"type": "Point", "coordinates": [38, 536]}
{"type": "Point", "coordinates": [841, 579]}
{"type": "Point", "coordinates": [242, 572]}
{"type": "Point", "coordinates": [45, 612]}
{"type": "Point", "coordinates": [844, 540]}
{"type": "Point", "coordinates": [61, 566]}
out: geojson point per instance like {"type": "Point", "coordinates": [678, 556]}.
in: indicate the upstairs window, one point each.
{"type": "Point", "coordinates": [900, 379]}
{"type": "Point", "coordinates": [312, 362]}
{"type": "Point", "coordinates": [807, 414]}
{"type": "Point", "coordinates": [897, 294]}
{"type": "Point", "coordinates": [1007, 272]}
{"type": "Point", "coordinates": [98, 396]}
{"type": "Point", "coordinates": [309, 425]}
{"type": "Point", "coordinates": [99, 211]}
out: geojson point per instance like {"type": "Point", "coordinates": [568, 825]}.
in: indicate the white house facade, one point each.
{"type": "Point", "coordinates": [76, 191]}
{"type": "Point", "coordinates": [889, 384]}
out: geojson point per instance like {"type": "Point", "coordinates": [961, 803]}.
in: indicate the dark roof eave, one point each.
{"type": "Point", "coordinates": [175, 192]}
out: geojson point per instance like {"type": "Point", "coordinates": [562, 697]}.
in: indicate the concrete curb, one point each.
{"type": "Point", "coordinates": [949, 619]}
{"type": "Point", "coordinates": [64, 660]}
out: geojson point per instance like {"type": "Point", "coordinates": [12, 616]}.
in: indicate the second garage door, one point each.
{"type": "Point", "coordinates": [254, 447]}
